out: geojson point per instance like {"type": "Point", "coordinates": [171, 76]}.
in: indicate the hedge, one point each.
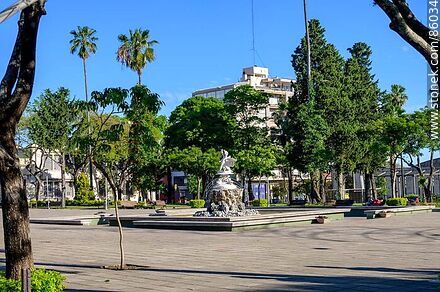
{"type": "Point", "coordinates": [197, 203]}
{"type": "Point", "coordinates": [397, 202]}
{"type": "Point", "coordinates": [260, 203]}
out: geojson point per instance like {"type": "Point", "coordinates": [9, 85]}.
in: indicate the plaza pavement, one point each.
{"type": "Point", "coordinates": [398, 253]}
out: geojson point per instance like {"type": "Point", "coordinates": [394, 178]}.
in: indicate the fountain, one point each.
{"type": "Point", "coordinates": [225, 210]}
{"type": "Point", "coordinates": [224, 196]}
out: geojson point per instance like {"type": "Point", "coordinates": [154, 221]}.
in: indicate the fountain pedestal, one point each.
{"type": "Point", "coordinates": [224, 198]}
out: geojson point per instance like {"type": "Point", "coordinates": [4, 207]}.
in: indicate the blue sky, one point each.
{"type": "Point", "coordinates": [205, 43]}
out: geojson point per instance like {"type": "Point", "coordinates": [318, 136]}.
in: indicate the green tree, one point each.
{"type": "Point", "coordinates": [83, 194]}
{"type": "Point", "coordinates": [245, 105]}
{"type": "Point", "coordinates": [146, 139]}
{"type": "Point", "coordinates": [395, 128]}
{"type": "Point", "coordinates": [52, 122]}
{"type": "Point", "coordinates": [117, 134]}
{"type": "Point", "coordinates": [83, 43]}
{"type": "Point", "coordinates": [419, 138]}
{"type": "Point", "coordinates": [136, 50]}
{"type": "Point", "coordinates": [256, 162]}
{"type": "Point", "coordinates": [202, 122]}
{"type": "Point", "coordinates": [318, 128]}
{"type": "Point", "coordinates": [195, 162]}
{"type": "Point", "coordinates": [364, 94]}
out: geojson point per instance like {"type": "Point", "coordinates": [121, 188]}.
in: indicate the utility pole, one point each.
{"type": "Point", "coordinates": [309, 61]}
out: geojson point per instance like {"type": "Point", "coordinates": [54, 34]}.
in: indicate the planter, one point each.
{"type": "Point", "coordinates": [298, 202]}
{"type": "Point", "coordinates": [383, 214]}
{"type": "Point", "coordinates": [322, 219]}
{"type": "Point", "coordinates": [344, 202]}
{"type": "Point", "coordinates": [330, 203]}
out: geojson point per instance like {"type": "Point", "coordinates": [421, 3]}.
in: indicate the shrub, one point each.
{"type": "Point", "coordinates": [412, 196]}
{"type": "Point", "coordinates": [260, 203]}
{"type": "Point", "coordinates": [83, 193]}
{"type": "Point", "coordinates": [397, 202]}
{"type": "Point", "coordinates": [85, 203]}
{"type": "Point", "coordinates": [41, 281]}
{"type": "Point", "coordinates": [197, 203]}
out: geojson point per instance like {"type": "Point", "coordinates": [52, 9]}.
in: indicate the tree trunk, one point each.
{"type": "Point", "coordinates": [139, 73]}
{"type": "Point", "coordinates": [199, 183]}
{"type": "Point", "coordinates": [20, 74]}
{"type": "Point", "coordinates": [170, 189]}
{"type": "Point", "coordinates": [63, 181]}
{"type": "Point", "coordinates": [367, 182]}
{"type": "Point", "coordinates": [86, 89]}
{"type": "Point", "coordinates": [373, 186]}
{"type": "Point", "coordinates": [393, 176]}
{"type": "Point", "coordinates": [341, 185]}
{"type": "Point", "coordinates": [37, 188]}
{"type": "Point", "coordinates": [18, 248]}
{"type": "Point", "coordinates": [290, 184]}
{"type": "Point", "coordinates": [250, 194]}
{"type": "Point", "coordinates": [322, 187]}
{"type": "Point", "coordinates": [116, 193]}
{"type": "Point", "coordinates": [428, 190]}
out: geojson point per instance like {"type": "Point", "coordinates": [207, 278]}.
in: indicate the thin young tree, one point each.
{"type": "Point", "coordinates": [136, 50]}
{"type": "Point", "coordinates": [83, 43]}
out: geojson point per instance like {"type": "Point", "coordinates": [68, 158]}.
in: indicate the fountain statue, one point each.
{"type": "Point", "coordinates": [224, 196]}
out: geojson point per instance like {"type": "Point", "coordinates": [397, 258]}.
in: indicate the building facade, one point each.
{"type": "Point", "coordinates": [39, 164]}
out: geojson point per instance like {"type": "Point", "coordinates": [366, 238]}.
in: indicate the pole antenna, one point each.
{"type": "Point", "coordinates": [253, 33]}
{"type": "Point", "coordinates": [309, 65]}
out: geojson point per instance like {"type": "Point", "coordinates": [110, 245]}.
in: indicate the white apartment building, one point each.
{"type": "Point", "coordinates": [278, 89]}
{"type": "Point", "coordinates": [50, 174]}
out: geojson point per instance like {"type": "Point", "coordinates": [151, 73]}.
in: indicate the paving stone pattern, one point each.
{"type": "Point", "coordinates": [355, 254]}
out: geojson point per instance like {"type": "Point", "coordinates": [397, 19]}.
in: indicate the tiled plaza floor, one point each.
{"type": "Point", "coordinates": [398, 253]}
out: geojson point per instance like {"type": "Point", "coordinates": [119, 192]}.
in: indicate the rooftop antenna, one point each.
{"type": "Point", "coordinates": [253, 34]}
{"type": "Point", "coordinates": [309, 66]}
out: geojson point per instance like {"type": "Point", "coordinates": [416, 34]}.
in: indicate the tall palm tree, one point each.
{"type": "Point", "coordinates": [84, 44]}
{"type": "Point", "coordinates": [136, 50]}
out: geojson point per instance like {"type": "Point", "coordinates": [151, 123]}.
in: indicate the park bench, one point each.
{"type": "Point", "coordinates": [127, 205]}
{"type": "Point", "coordinates": [160, 203]}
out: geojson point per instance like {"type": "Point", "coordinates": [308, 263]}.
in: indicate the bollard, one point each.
{"type": "Point", "coordinates": [25, 280]}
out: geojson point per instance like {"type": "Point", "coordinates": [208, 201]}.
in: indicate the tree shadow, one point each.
{"type": "Point", "coordinates": [424, 280]}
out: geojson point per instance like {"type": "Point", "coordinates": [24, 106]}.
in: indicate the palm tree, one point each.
{"type": "Point", "coordinates": [84, 43]}
{"type": "Point", "coordinates": [136, 50]}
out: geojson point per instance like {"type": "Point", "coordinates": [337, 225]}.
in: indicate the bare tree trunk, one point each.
{"type": "Point", "coordinates": [322, 179]}
{"type": "Point", "coordinates": [199, 183]}
{"type": "Point", "coordinates": [37, 188]}
{"type": "Point", "coordinates": [368, 189]}
{"type": "Point", "coordinates": [290, 184]}
{"type": "Point", "coordinates": [250, 194]}
{"type": "Point", "coordinates": [139, 73]}
{"type": "Point", "coordinates": [20, 74]}
{"type": "Point", "coordinates": [393, 176]}
{"type": "Point", "coordinates": [373, 186]}
{"type": "Point", "coordinates": [63, 181]}
{"type": "Point", "coordinates": [430, 178]}
{"type": "Point", "coordinates": [121, 234]}
{"type": "Point", "coordinates": [341, 185]}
